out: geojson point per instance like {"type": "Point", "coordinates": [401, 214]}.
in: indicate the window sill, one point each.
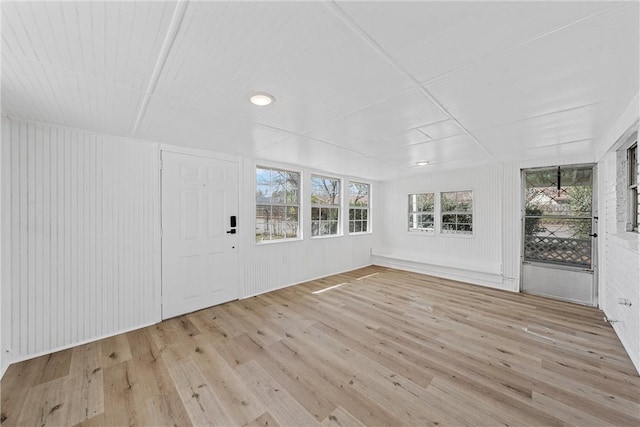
{"type": "Point", "coordinates": [361, 233]}
{"type": "Point", "coordinates": [457, 236]}
{"type": "Point", "coordinates": [326, 236]}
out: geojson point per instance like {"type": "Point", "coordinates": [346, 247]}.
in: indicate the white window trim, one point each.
{"type": "Point", "coordinates": [301, 203]}
{"type": "Point", "coordinates": [369, 208]}
{"type": "Point", "coordinates": [631, 209]}
{"type": "Point", "coordinates": [420, 232]}
{"type": "Point", "coordinates": [473, 216]}
{"type": "Point", "coordinates": [340, 205]}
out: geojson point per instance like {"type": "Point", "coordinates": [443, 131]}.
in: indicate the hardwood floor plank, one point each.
{"type": "Point", "coordinates": [283, 407]}
{"type": "Point", "coordinates": [385, 347]}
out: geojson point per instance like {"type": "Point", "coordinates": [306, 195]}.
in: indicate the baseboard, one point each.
{"type": "Point", "coordinates": [305, 281]}
{"type": "Point", "coordinates": [489, 280]}
{"type": "Point", "coordinates": [22, 358]}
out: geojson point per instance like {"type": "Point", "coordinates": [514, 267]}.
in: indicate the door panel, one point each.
{"type": "Point", "coordinates": [558, 241]}
{"type": "Point", "coordinates": [199, 257]}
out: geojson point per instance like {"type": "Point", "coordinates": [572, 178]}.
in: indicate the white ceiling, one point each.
{"type": "Point", "coordinates": [362, 88]}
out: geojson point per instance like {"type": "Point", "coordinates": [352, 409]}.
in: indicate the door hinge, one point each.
{"type": "Point", "coordinates": [160, 164]}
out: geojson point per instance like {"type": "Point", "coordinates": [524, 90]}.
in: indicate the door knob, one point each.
{"type": "Point", "coordinates": [232, 231]}
{"type": "Point", "coordinates": [594, 235]}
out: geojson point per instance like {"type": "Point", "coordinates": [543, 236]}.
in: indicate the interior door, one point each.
{"type": "Point", "coordinates": [558, 219]}
{"type": "Point", "coordinates": [199, 243]}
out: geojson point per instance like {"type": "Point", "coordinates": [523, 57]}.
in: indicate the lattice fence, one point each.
{"type": "Point", "coordinates": [559, 250]}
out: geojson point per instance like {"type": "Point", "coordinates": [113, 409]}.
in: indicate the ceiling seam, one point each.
{"type": "Point", "coordinates": [359, 31]}
{"type": "Point", "coordinates": [172, 33]}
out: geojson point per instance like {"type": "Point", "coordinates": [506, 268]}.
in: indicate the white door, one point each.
{"type": "Point", "coordinates": [199, 244]}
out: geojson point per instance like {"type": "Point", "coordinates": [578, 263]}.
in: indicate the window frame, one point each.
{"type": "Point", "coordinates": [442, 212]}
{"type": "Point", "coordinates": [286, 205]}
{"type": "Point", "coordinates": [633, 214]}
{"type": "Point", "coordinates": [321, 206]}
{"type": "Point", "coordinates": [421, 231]}
{"type": "Point", "coordinates": [355, 208]}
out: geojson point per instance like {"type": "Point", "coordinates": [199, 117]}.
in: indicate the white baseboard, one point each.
{"type": "Point", "coordinates": [22, 358]}
{"type": "Point", "coordinates": [490, 280]}
{"type": "Point", "coordinates": [305, 281]}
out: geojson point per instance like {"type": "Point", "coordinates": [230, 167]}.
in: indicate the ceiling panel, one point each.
{"type": "Point", "coordinates": [368, 92]}
{"type": "Point", "coordinates": [316, 68]}
{"type": "Point", "coordinates": [575, 125]}
{"type": "Point", "coordinates": [431, 38]}
{"type": "Point", "coordinates": [590, 69]}
{"type": "Point", "coordinates": [383, 125]}
{"type": "Point", "coordinates": [450, 149]}
{"type": "Point", "coordinates": [40, 92]}
{"type": "Point", "coordinates": [315, 154]}
{"type": "Point", "coordinates": [175, 123]}
{"type": "Point", "coordinates": [115, 41]}
{"type": "Point", "coordinates": [442, 129]}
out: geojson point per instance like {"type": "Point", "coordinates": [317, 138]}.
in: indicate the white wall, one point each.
{"type": "Point", "coordinates": [83, 237]}
{"type": "Point", "coordinates": [269, 266]}
{"type": "Point", "coordinates": [478, 258]}
{"type": "Point", "coordinates": [619, 251]}
{"type": "Point", "coordinates": [496, 244]}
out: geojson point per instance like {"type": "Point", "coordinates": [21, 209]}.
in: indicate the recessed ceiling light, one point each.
{"type": "Point", "coordinates": [422, 163]}
{"type": "Point", "coordinates": [261, 99]}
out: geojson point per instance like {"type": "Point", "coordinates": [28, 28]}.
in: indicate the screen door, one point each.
{"type": "Point", "coordinates": [558, 219]}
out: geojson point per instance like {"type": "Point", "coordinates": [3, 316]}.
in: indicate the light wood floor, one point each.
{"type": "Point", "coordinates": [383, 348]}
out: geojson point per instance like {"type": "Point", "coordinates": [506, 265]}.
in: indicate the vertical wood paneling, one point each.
{"type": "Point", "coordinates": [270, 266]}
{"type": "Point", "coordinates": [485, 246]}
{"type": "Point", "coordinates": [83, 237]}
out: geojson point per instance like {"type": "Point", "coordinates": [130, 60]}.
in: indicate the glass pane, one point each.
{"type": "Point", "coordinates": [358, 194]}
{"type": "Point", "coordinates": [464, 219]}
{"type": "Point", "coordinates": [292, 213]}
{"type": "Point", "coordinates": [324, 190]}
{"type": "Point", "coordinates": [364, 226]}
{"type": "Point", "coordinates": [449, 218]}
{"type": "Point", "coordinates": [365, 213]}
{"type": "Point", "coordinates": [315, 228]}
{"type": "Point", "coordinates": [352, 226]}
{"type": "Point", "coordinates": [333, 227]}
{"type": "Point", "coordinates": [457, 201]}
{"type": "Point", "coordinates": [263, 214]}
{"type": "Point", "coordinates": [315, 214]}
{"type": "Point", "coordinates": [357, 214]}
{"type": "Point", "coordinates": [352, 214]}
{"type": "Point", "coordinates": [633, 165]}
{"type": "Point", "coordinates": [334, 214]}
{"type": "Point", "coordinates": [357, 226]}
{"type": "Point", "coordinates": [573, 197]}
{"type": "Point", "coordinates": [421, 202]}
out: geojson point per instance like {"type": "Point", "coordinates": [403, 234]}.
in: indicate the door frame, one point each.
{"type": "Point", "coordinates": [594, 229]}
{"type": "Point", "coordinates": [209, 155]}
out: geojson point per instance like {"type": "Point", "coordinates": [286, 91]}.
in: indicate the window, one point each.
{"type": "Point", "coordinates": [358, 207]}
{"type": "Point", "coordinates": [325, 206]}
{"type": "Point", "coordinates": [277, 204]}
{"type": "Point", "coordinates": [457, 212]}
{"type": "Point", "coordinates": [421, 212]}
{"type": "Point", "coordinates": [634, 212]}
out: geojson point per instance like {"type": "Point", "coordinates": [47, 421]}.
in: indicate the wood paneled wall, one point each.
{"type": "Point", "coordinates": [83, 237]}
